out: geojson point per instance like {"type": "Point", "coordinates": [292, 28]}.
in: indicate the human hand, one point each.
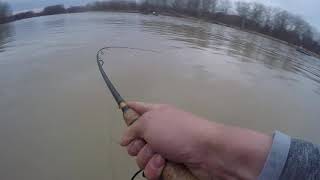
{"type": "Point", "coordinates": [209, 150]}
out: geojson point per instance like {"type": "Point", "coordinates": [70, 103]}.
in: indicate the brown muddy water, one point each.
{"type": "Point", "coordinates": [58, 121]}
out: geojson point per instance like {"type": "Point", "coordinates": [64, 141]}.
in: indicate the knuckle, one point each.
{"type": "Point", "coordinates": [125, 139]}
{"type": "Point", "coordinates": [146, 117]}
{"type": "Point", "coordinates": [144, 156]}
{"type": "Point", "coordinates": [151, 173]}
{"type": "Point", "coordinates": [139, 161]}
{"type": "Point", "coordinates": [148, 173]}
{"type": "Point", "coordinates": [129, 134]}
{"type": "Point", "coordinates": [164, 107]}
{"type": "Point", "coordinates": [130, 151]}
{"type": "Point", "coordinates": [133, 148]}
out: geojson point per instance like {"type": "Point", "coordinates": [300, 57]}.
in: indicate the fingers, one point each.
{"type": "Point", "coordinates": [142, 107]}
{"type": "Point", "coordinates": [136, 130]}
{"type": "Point", "coordinates": [135, 147]}
{"type": "Point", "coordinates": [154, 168]}
{"type": "Point", "coordinates": [152, 163]}
{"type": "Point", "coordinates": [144, 156]}
{"type": "Point", "coordinates": [133, 132]}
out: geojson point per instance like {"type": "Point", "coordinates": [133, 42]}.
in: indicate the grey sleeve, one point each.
{"type": "Point", "coordinates": [291, 159]}
{"type": "Point", "coordinates": [303, 161]}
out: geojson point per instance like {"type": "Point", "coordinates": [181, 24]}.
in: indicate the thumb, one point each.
{"type": "Point", "coordinates": [141, 107]}
{"type": "Point", "coordinates": [133, 132]}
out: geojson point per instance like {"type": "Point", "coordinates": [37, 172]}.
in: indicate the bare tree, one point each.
{"type": "Point", "coordinates": [299, 25]}
{"type": "Point", "coordinates": [257, 13]}
{"type": "Point", "coordinates": [281, 21]}
{"type": "Point", "coordinates": [164, 3]}
{"type": "Point", "coordinates": [213, 7]}
{"type": "Point", "coordinates": [179, 4]}
{"type": "Point", "coordinates": [208, 6]}
{"type": "Point", "coordinates": [193, 5]}
{"type": "Point", "coordinates": [243, 9]}
{"type": "Point", "coordinates": [267, 20]}
{"type": "Point", "coordinates": [205, 5]}
{"type": "Point", "coordinates": [224, 6]}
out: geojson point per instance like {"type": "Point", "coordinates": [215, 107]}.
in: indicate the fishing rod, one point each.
{"type": "Point", "coordinates": [172, 171]}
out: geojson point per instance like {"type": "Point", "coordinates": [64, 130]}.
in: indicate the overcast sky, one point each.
{"type": "Point", "coordinates": [309, 9]}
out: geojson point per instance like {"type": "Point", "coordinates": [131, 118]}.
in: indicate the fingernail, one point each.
{"type": "Point", "coordinates": [158, 161]}
{"type": "Point", "coordinates": [124, 142]}
{"type": "Point", "coordinates": [148, 151]}
{"type": "Point", "coordinates": [136, 145]}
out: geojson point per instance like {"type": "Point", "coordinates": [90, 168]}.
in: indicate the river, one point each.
{"type": "Point", "coordinates": [58, 121]}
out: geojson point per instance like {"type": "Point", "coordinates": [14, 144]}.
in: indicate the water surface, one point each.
{"type": "Point", "coordinates": [58, 121]}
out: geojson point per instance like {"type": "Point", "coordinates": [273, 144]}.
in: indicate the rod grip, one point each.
{"type": "Point", "coordinates": [172, 171]}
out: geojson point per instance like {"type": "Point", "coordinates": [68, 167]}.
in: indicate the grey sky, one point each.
{"type": "Point", "coordinates": [309, 9]}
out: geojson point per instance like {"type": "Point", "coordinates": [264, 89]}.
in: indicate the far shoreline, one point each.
{"type": "Point", "coordinates": [169, 14]}
{"type": "Point", "coordinates": [256, 18]}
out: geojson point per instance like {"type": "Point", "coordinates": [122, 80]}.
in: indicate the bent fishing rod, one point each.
{"type": "Point", "coordinates": [172, 171]}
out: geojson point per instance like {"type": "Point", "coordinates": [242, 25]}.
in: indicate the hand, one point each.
{"type": "Point", "coordinates": [209, 150]}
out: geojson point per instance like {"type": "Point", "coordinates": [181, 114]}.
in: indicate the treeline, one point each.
{"type": "Point", "coordinates": [5, 11]}
{"type": "Point", "coordinates": [253, 16]}
{"type": "Point", "coordinates": [6, 16]}
{"type": "Point", "coordinates": [256, 17]}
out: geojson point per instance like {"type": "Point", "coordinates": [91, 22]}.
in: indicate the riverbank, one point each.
{"type": "Point", "coordinates": [241, 29]}
{"type": "Point", "coordinates": [168, 12]}
{"type": "Point", "coordinates": [272, 38]}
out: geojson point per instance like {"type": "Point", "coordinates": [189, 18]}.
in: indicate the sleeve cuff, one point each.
{"type": "Point", "coordinates": [277, 157]}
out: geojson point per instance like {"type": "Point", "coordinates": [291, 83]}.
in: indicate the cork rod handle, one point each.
{"type": "Point", "coordinates": [172, 171]}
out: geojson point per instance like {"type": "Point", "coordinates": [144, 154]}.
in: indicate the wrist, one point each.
{"type": "Point", "coordinates": [235, 152]}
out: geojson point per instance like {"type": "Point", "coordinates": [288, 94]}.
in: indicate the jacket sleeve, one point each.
{"type": "Point", "coordinates": [291, 159]}
{"type": "Point", "coordinates": [303, 161]}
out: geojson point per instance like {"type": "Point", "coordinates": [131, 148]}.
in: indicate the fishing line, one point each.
{"type": "Point", "coordinates": [137, 173]}
{"type": "Point", "coordinates": [120, 101]}
{"type": "Point", "coordinates": [108, 82]}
